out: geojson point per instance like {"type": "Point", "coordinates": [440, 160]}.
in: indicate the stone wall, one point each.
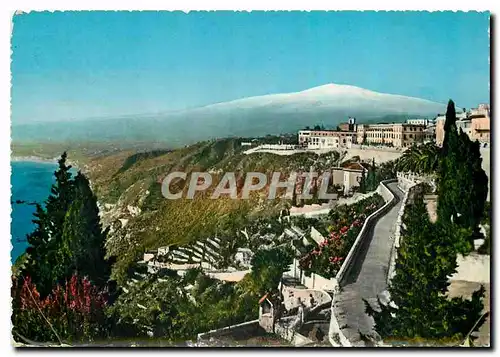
{"type": "Point", "coordinates": [249, 327]}
{"type": "Point", "coordinates": [335, 334]}
{"type": "Point", "coordinates": [292, 336]}
{"type": "Point", "coordinates": [292, 294]}
{"type": "Point", "coordinates": [316, 281]}
{"type": "Point", "coordinates": [316, 236]}
{"type": "Point", "coordinates": [407, 184]}
{"type": "Point", "coordinates": [369, 222]}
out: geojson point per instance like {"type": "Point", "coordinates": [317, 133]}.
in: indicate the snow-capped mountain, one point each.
{"type": "Point", "coordinates": [334, 97]}
{"type": "Point", "coordinates": [327, 105]}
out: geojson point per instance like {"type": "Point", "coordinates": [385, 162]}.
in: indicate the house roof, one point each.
{"type": "Point", "coordinates": [355, 166]}
{"type": "Point", "coordinates": [262, 299]}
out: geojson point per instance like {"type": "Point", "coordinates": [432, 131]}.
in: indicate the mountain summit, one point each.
{"type": "Point", "coordinates": [334, 97]}
{"type": "Point", "coordinates": [327, 105]}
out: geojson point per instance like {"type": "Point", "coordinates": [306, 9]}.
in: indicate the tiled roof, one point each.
{"type": "Point", "coordinates": [262, 299]}
{"type": "Point", "coordinates": [354, 166]}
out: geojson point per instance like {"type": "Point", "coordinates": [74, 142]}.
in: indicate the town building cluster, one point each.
{"type": "Point", "coordinates": [474, 122]}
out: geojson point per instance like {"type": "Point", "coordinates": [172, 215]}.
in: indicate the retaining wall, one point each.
{"type": "Point", "coordinates": [407, 184]}
{"type": "Point", "coordinates": [369, 222]}
{"type": "Point", "coordinates": [316, 236]}
{"type": "Point", "coordinates": [316, 281]}
{"type": "Point", "coordinates": [249, 327]}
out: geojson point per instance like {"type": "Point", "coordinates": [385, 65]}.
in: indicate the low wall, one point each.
{"type": "Point", "coordinates": [316, 281]}
{"type": "Point", "coordinates": [370, 220]}
{"type": "Point", "coordinates": [335, 334]}
{"type": "Point", "coordinates": [291, 296]}
{"type": "Point", "coordinates": [406, 184]}
{"type": "Point", "coordinates": [316, 236]}
{"type": "Point", "coordinates": [291, 335]}
{"type": "Point", "coordinates": [249, 327]}
{"type": "Point", "coordinates": [376, 147]}
{"type": "Point", "coordinates": [397, 236]}
{"type": "Point", "coordinates": [229, 276]}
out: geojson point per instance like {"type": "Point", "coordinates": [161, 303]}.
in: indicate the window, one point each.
{"type": "Point", "coordinates": [404, 137]}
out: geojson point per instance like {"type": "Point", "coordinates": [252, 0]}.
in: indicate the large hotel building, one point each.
{"type": "Point", "coordinates": [398, 135]}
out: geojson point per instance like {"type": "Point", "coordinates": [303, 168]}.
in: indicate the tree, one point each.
{"type": "Point", "coordinates": [450, 127]}
{"type": "Point", "coordinates": [362, 182]}
{"type": "Point", "coordinates": [67, 244]}
{"type": "Point", "coordinates": [423, 159]}
{"type": "Point", "coordinates": [42, 253]}
{"type": "Point", "coordinates": [268, 266]}
{"type": "Point", "coordinates": [371, 178]}
{"type": "Point", "coordinates": [420, 307]}
{"type": "Point", "coordinates": [83, 238]}
{"type": "Point", "coordinates": [462, 183]}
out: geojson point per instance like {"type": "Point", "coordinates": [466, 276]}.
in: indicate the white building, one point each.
{"type": "Point", "coordinates": [425, 122]}
{"type": "Point", "coordinates": [326, 139]}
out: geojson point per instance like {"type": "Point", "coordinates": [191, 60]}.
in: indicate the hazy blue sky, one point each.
{"type": "Point", "coordinates": [83, 64]}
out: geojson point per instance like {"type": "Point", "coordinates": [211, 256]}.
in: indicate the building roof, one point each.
{"type": "Point", "coordinates": [477, 116]}
{"type": "Point", "coordinates": [262, 299]}
{"type": "Point", "coordinates": [355, 166]}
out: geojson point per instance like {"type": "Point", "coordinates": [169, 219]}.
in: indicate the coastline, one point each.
{"type": "Point", "coordinates": [42, 160]}
{"type": "Point", "coordinates": [36, 159]}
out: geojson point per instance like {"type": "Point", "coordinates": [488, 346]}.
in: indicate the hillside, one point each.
{"type": "Point", "coordinates": [128, 187]}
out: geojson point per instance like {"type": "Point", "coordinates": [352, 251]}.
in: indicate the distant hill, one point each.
{"type": "Point", "coordinates": [326, 105]}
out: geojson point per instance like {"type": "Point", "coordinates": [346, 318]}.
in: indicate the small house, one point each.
{"type": "Point", "coordinates": [266, 314]}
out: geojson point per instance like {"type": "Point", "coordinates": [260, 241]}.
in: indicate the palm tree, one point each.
{"type": "Point", "coordinates": [421, 159]}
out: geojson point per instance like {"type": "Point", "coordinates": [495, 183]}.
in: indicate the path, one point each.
{"type": "Point", "coordinates": [368, 278]}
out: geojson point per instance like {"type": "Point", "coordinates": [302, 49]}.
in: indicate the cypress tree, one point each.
{"type": "Point", "coordinates": [44, 241]}
{"type": "Point", "coordinates": [83, 238]}
{"type": "Point", "coordinates": [362, 183]}
{"type": "Point", "coordinates": [68, 235]}
{"type": "Point", "coordinates": [462, 183]}
{"type": "Point", "coordinates": [450, 127]}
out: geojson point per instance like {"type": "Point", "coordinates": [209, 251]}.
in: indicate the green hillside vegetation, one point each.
{"type": "Point", "coordinates": [128, 179]}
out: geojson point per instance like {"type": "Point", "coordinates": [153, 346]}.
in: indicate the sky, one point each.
{"type": "Point", "coordinates": [76, 65]}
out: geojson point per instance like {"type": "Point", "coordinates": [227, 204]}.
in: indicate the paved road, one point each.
{"type": "Point", "coordinates": [368, 278]}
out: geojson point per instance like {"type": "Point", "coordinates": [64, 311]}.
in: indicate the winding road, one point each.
{"type": "Point", "coordinates": [368, 277]}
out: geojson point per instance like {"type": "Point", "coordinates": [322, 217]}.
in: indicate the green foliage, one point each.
{"type": "Point", "coordinates": [133, 159]}
{"type": "Point", "coordinates": [422, 159]}
{"type": "Point", "coordinates": [426, 258]}
{"type": "Point", "coordinates": [68, 239]}
{"type": "Point", "coordinates": [427, 254]}
{"type": "Point", "coordinates": [343, 226]}
{"type": "Point", "coordinates": [168, 309]}
{"type": "Point", "coordinates": [83, 238]}
{"type": "Point", "coordinates": [268, 266]}
{"type": "Point", "coordinates": [43, 251]}
{"type": "Point", "coordinates": [73, 312]}
{"type": "Point", "coordinates": [462, 183]}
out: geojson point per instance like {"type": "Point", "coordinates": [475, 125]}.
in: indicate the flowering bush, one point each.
{"type": "Point", "coordinates": [75, 311]}
{"type": "Point", "coordinates": [345, 223]}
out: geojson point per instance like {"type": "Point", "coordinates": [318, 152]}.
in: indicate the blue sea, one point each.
{"type": "Point", "coordinates": [30, 182]}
